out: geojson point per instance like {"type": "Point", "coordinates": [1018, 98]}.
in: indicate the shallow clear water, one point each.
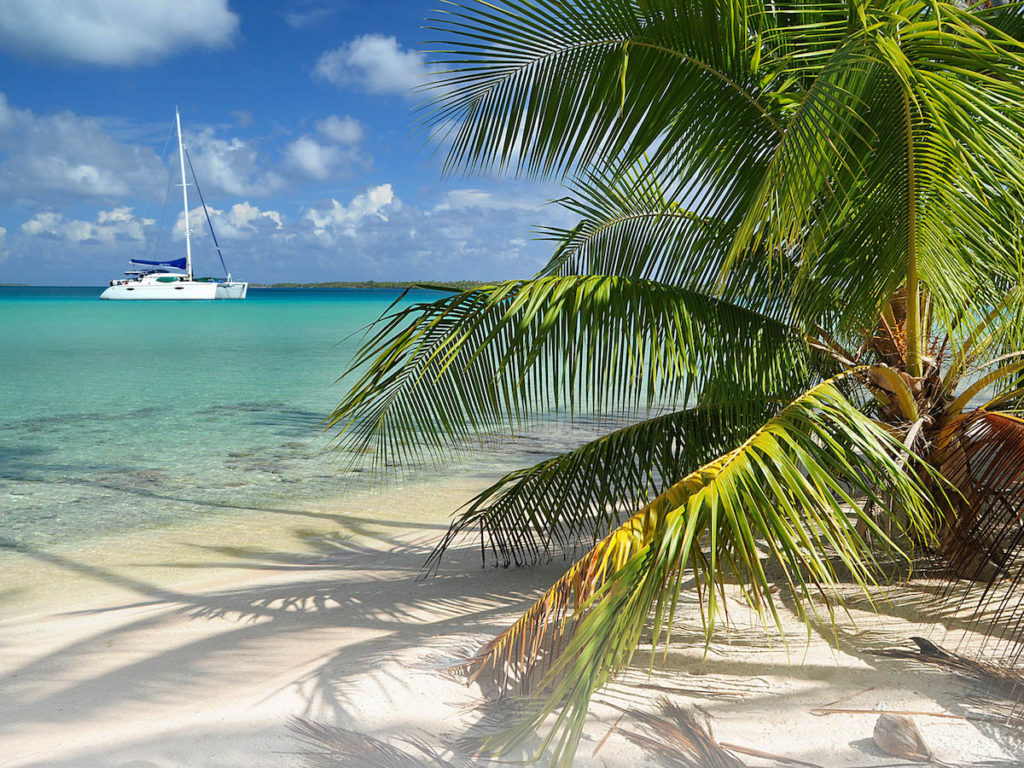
{"type": "Point", "coordinates": [118, 417]}
{"type": "Point", "coordinates": [121, 415]}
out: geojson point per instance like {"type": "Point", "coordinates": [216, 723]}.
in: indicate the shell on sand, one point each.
{"type": "Point", "coordinates": [897, 735]}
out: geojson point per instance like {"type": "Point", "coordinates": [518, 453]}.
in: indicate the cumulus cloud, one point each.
{"type": "Point", "coordinates": [334, 151]}
{"type": "Point", "coordinates": [47, 161]}
{"type": "Point", "coordinates": [240, 222]}
{"type": "Point", "coordinates": [462, 199]}
{"type": "Point", "coordinates": [113, 32]}
{"type": "Point", "coordinates": [246, 217]}
{"type": "Point", "coordinates": [337, 218]}
{"type": "Point", "coordinates": [374, 63]}
{"type": "Point", "coordinates": [3, 244]}
{"type": "Point", "coordinates": [478, 234]}
{"type": "Point", "coordinates": [44, 159]}
{"type": "Point", "coordinates": [311, 158]}
{"type": "Point", "coordinates": [341, 130]}
{"type": "Point", "coordinates": [230, 166]}
{"type": "Point", "coordinates": [118, 224]}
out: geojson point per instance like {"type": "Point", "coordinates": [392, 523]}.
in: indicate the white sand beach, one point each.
{"type": "Point", "coordinates": [192, 648]}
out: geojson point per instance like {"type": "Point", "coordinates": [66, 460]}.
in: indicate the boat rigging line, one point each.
{"type": "Point", "coordinates": [210, 223]}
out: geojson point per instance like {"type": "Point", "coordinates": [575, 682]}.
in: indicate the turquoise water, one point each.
{"type": "Point", "coordinates": [117, 416]}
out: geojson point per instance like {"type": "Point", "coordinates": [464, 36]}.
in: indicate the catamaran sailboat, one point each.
{"type": "Point", "coordinates": [155, 280]}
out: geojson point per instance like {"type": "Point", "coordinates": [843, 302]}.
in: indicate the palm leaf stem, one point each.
{"type": "Point", "coordinates": [913, 326]}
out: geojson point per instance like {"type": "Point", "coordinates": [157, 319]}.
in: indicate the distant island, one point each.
{"type": "Point", "coordinates": [456, 285]}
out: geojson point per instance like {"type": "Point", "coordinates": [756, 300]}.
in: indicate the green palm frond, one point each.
{"type": "Point", "coordinates": [435, 374]}
{"type": "Point", "coordinates": [549, 86]}
{"type": "Point", "coordinates": [908, 133]}
{"type": "Point", "coordinates": [577, 497]}
{"type": "Point", "coordinates": [817, 157]}
{"type": "Point", "coordinates": [766, 194]}
{"type": "Point", "coordinates": [1008, 19]}
{"type": "Point", "coordinates": [789, 486]}
{"type": "Point", "coordinates": [632, 223]}
{"type": "Point", "coordinates": [858, 139]}
{"type": "Point", "coordinates": [951, 95]}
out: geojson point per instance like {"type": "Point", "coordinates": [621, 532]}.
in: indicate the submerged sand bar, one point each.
{"type": "Point", "coordinates": [191, 648]}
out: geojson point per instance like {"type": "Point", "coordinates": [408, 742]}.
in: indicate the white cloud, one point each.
{"type": "Point", "coordinates": [241, 222]}
{"type": "Point", "coordinates": [337, 151]}
{"type": "Point", "coordinates": [244, 216]}
{"type": "Point", "coordinates": [461, 199]}
{"type": "Point", "coordinates": [118, 224]}
{"type": "Point", "coordinates": [3, 244]}
{"type": "Point", "coordinates": [375, 202]}
{"type": "Point", "coordinates": [230, 166]}
{"type": "Point", "coordinates": [370, 235]}
{"type": "Point", "coordinates": [311, 158]}
{"type": "Point", "coordinates": [478, 235]}
{"type": "Point", "coordinates": [310, 16]}
{"type": "Point", "coordinates": [376, 64]}
{"type": "Point", "coordinates": [113, 32]}
{"type": "Point", "coordinates": [341, 130]}
{"type": "Point", "coordinates": [44, 159]}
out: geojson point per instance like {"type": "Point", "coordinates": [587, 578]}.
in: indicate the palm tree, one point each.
{"type": "Point", "coordinates": [797, 267]}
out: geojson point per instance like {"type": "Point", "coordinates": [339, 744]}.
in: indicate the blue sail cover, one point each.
{"type": "Point", "coordinates": [176, 263]}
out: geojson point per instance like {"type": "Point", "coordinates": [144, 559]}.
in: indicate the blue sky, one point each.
{"type": "Point", "coordinates": [297, 115]}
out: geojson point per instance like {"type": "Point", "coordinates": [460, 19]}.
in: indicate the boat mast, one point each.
{"type": "Point", "coordinates": [184, 197]}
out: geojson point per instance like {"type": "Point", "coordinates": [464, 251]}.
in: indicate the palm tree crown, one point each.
{"type": "Point", "coordinates": [797, 265]}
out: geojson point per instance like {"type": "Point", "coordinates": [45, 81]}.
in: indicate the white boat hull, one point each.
{"type": "Point", "coordinates": [232, 290]}
{"type": "Point", "coordinates": [183, 290]}
{"type": "Point", "coordinates": [146, 291]}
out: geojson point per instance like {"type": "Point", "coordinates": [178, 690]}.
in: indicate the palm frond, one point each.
{"type": "Point", "coordinates": [788, 486]}
{"type": "Point", "coordinates": [909, 130]}
{"type": "Point", "coordinates": [997, 679]}
{"type": "Point", "coordinates": [579, 496]}
{"type": "Point", "coordinates": [677, 738]}
{"type": "Point", "coordinates": [981, 454]}
{"type": "Point", "coordinates": [984, 335]}
{"type": "Point", "coordinates": [435, 374]}
{"type": "Point", "coordinates": [328, 746]}
{"type": "Point", "coordinates": [825, 138]}
{"type": "Point", "coordinates": [551, 85]}
{"type": "Point", "coordinates": [633, 223]}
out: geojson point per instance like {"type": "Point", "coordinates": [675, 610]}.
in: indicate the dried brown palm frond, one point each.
{"type": "Point", "coordinates": [999, 680]}
{"type": "Point", "coordinates": [982, 454]}
{"type": "Point", "coordinates": [328, 746]}
{"type": "Point", "coordinates": [678, 738]}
